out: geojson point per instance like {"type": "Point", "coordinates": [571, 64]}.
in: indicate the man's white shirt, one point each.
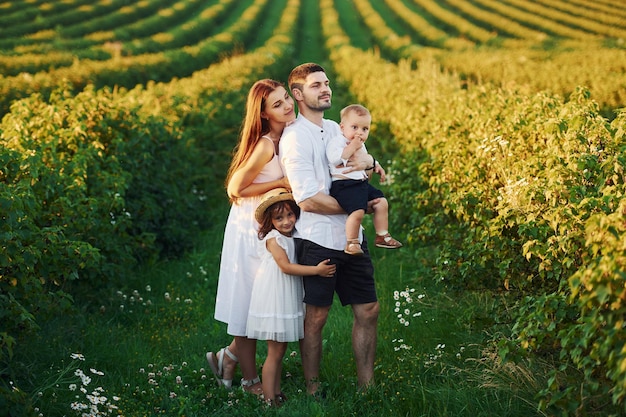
{"type": "Point", "coordinates": [302, 152]}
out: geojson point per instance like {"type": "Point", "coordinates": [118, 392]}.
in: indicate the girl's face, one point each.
{"type": "Point", "coordinates": [284, 220]}
{"type": "Point", "coordinates": [279, 106]}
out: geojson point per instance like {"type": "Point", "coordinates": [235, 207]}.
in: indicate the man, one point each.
{"type": "Point", "coordinates": [321, 229]}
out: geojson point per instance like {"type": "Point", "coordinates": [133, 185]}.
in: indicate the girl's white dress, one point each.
{"type": "Point", "coordinates": [276, 308]}
{"type": "Point", "coordinates": [240, 259]}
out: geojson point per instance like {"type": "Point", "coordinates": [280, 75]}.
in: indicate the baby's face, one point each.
{"type": "Point", "coordinates": [356, 126]}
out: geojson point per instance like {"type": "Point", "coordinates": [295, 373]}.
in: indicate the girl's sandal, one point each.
{"type": "Point", "coordinates": [218, 370]}
{"type": "Point", "coordinates": [281, 398]}
{"type": "Point", "coordinates": [252, 386]}
{"type": "Point", "coordinates": [278, 401]}
{"type": "Point", "coordinates": [272, 403]}
{"type": "Point", "coordinates": [353, 247]}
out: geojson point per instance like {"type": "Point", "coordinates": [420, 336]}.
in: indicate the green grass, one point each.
{"type": "Point", "coordinates": [142, 340]}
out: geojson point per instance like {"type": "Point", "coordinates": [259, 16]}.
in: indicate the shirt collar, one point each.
{"type": "Point", "coordinates": [316, 130]}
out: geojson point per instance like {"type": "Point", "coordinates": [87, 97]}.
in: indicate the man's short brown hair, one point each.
{"type": "Point", "coordinates": [298, 75]}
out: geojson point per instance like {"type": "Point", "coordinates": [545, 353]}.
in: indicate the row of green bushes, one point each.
{"type": "Point", "coordinates": [94, 184]}
{"type": "Point", "coordinates": [130, 71]}
{"type": "Point", "coordinates": [538, 64]}
{"type": "Point", "coordinates": [522, 193]}
{"type": "Point", "coordinates": [186, 22]}
{"type": "Point", "coordinates": [543, 64]}
{"type": "Point", "coordinates": [558, 70]}
{"type": "Point", "coordinates": [50, 15]}
{"type": "Point", "coordinates": [127, 14]}
{"type": "Point", "coordinates": [89, 187]}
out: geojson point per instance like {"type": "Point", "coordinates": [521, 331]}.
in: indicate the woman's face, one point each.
{"type": "Point", "coordinates": [279, 106]}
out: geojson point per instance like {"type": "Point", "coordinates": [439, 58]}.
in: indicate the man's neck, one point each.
{"type": "Point", "coordinates": [313, 116]}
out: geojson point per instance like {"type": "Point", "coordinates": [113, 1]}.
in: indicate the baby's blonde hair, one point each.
{"type": "Point", "coordinates": [354, 108]}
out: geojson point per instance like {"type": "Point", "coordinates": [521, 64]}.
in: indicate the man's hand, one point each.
{"type": "Point", "coordinates": [359, 161]}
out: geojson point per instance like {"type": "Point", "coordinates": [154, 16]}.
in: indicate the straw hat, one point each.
{"type": "Point", "coordinates": [269, 198]}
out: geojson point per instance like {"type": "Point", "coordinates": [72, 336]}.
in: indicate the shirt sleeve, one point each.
{"type": "Point", "coordinates": [281, 240]}
{"type": "Point", "coordinates": [297, 158]}
{"type": "Point", "coordinates": [334, 149]}
{"type": "Point", "coordinates": [272, 234]}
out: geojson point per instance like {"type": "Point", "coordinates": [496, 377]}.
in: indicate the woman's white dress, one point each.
{"type": "Point", "coordinates": [240, 259]}
{"type": "Point", "coordinates": [276, 308]}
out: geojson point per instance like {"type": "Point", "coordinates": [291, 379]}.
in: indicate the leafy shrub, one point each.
{"type": "Point", "coordinates": [88, 188]}
{"type": "Point", "coordinates": [521, 193]}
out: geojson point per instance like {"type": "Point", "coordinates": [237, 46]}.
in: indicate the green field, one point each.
{"type": "Point", "coordinates": [500, 124]}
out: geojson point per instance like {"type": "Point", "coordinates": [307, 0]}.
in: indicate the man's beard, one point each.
{"type": "Point", "coordinates": [316, 105]}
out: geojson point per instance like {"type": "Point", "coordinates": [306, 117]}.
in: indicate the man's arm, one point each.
{"type": "Point", "coordinates": [322, 204]}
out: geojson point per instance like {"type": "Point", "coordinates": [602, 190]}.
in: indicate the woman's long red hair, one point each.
{"type": "Point", "coordinates": [253, 125]}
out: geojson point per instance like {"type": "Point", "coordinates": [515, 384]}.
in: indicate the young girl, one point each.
{"type": "Point", "coordinates": [276, 309]}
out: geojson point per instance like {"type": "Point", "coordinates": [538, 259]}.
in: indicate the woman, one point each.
{"type": "Point", "coordinates": [254, 170]}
